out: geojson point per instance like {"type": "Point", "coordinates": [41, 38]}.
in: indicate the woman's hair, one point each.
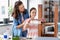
{"type": "Point", "coordinates": [32, 9]}
{"type": "Point", "coordinates": [16, 9]}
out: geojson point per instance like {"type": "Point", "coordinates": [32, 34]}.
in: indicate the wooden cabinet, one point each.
{"type": "Point", "coordinates": [39, 17]}
{"type": "Point", "coordinates": [50, 17]}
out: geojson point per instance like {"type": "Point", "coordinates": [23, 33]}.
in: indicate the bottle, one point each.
{"type": "Point", "coordinates": [6, 34]}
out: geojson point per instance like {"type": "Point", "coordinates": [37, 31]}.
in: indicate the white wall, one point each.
{"type": "Point", "coordinates": [34, 3]}
{"type": "Point", "coordinates": [12, 2]}
{"type": "Point", "coordinates": [25, 3]}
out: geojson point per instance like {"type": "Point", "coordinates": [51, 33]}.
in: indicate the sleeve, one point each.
{"type": "Point", "coordinates": [15, 23]}
{"type": "Point", "coordinates": [14, 30]}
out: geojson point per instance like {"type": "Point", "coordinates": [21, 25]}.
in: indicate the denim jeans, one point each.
{"type": "Point", "coordinates": [24, 33]}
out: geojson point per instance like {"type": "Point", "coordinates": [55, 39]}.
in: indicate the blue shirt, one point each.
{"type": "Point", "coordinates": [18, 32]}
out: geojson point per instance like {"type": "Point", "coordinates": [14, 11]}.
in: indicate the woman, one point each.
{"type": "Point", "coordinates": [19, 15]}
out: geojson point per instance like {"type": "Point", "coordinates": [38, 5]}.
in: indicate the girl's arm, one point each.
{"type": "Point", "coordinates": [26, 24]}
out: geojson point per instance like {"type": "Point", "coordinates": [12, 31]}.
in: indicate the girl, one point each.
{"type": "Point", "coordinates": [32, 16]}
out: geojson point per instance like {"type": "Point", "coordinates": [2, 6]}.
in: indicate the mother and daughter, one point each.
{"type": "Point", "coordinates": [21, 19]}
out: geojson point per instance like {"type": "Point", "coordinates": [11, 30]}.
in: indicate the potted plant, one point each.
{"type": "Point", "coordinates": [10, 9]}
{"type": "Point", "coordinates": [16, 38]}
{"type": "Point", "coordinates": [6, 20]}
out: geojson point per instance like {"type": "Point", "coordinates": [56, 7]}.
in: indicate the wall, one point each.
{"type": "Point", "coordinates": [33, 3]}
{"type": "Point", "coordinates": [25, 3]}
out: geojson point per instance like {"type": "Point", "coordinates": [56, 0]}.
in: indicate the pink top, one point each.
{"type": "Point", "coordinates": [25, 23]}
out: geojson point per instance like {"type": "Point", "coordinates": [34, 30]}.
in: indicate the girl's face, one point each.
{"type": "Point", "coordinates": [21, 8]}
{"type": "Point", "coordinates": [33, 13]}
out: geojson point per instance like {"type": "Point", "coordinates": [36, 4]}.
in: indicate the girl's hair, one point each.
{"type": "Point", "coordinates": [16, 9]}
{"type": "Point", "coordinates": [32, 9]}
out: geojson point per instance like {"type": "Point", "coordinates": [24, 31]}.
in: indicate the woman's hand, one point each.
{"type": "Point", "coordinates": [21, 25]}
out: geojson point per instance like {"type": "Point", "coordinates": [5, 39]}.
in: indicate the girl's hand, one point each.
{"type": "Point", "coordinates": [26, 23]}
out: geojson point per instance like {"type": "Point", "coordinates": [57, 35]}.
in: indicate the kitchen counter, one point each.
{"type": "Point", "coordinates": [37, 38]}
{"type": "Point", "coordinates": [41, 38]}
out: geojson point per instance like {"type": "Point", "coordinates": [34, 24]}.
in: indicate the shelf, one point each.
{"type": "Point", "coordinates": [49, 23]}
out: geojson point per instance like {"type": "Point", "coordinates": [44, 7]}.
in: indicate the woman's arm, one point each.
{"type": "Point", "coordinates": [21, 25]}
{"type": "Point", "coordinates": [16, 24]}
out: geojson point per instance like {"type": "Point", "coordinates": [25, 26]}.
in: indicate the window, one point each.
{"type": "Point", "coordinates": [3, 9]}
{"type": "Point", "coordinates": [6, 7]}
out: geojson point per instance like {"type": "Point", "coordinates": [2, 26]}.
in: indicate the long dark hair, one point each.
{"type": "Point", "coordinates": [16, 9]}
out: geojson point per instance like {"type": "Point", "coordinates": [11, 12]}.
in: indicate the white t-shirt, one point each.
{"type": "Point", "coordinates": [22, 16]}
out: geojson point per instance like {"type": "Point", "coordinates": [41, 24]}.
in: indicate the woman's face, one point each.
{"type": "Point", "coordinates": [21, 8]}
{"type": "Point", "coordinates": [33, 13]}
